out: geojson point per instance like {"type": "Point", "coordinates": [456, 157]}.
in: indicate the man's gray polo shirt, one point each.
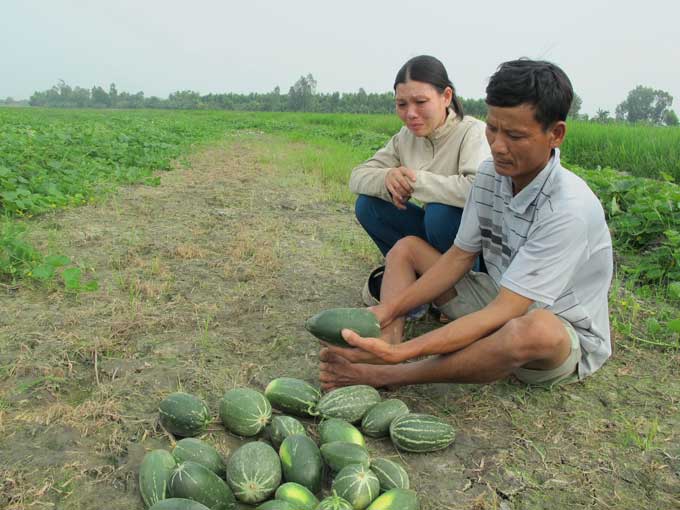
{"type": "Point", "coordinates": [549, 243]}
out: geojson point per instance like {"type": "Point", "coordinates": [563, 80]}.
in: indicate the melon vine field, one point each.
{"type": "Point", "coordinates": [146, 254]}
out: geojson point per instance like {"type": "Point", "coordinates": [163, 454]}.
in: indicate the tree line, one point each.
{"type": "Point", "coordinates": [643, 104]}
{"type": "Point", "coordinates": [301, 97]}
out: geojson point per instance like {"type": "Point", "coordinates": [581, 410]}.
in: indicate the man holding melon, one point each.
{"type": "Point", "coordinates": [541, 311]}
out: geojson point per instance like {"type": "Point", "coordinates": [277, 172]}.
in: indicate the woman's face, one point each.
{"type": "Point", "coordinates": [421, 107]}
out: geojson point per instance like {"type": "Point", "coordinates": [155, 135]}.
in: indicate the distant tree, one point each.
{"type": "Point", "coordinates": [113, 95]}
{"type": "Point", "coordinates": [100, 99]}
{"type": "Point", "coordinates": [671, 118]}
{"type": "Point", "coordinates": [575, 107]}
{"type": "Point", "coordinates": [301, 94]}
{"type": "Point", "coordinates": [475, 107]}
{"type": "Point", "coordinates": [80, 98]}
{"type": "Point", "coordinates": [644, 104]}
{"type": "Point", "coordinates": [601, 116]}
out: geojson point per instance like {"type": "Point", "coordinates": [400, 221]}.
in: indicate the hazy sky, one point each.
{"type": "Point", "coordinates": [606, 47]}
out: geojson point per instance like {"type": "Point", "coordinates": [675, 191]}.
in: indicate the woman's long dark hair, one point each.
{"type": "Point", "coordinates": [430, 70]}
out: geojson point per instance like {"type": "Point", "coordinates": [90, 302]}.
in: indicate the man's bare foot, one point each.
{"type": "Point", "coordinates": [336, 371]}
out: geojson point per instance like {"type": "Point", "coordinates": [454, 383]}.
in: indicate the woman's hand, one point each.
{"type": "Point", "coordinates": [399, 182]}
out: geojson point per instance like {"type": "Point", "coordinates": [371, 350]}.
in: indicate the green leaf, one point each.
{"type": "Point", "coordinates": [71, 278]}
{"type": "Point", "coordinates": [43, 272]}
{"type": "Point", "coordinates": [57, 260]}
{"type": "Point", "coordinates": [91, 286]}
{"type": "Point", "coordinates": [674, 290]}
{"type": "Point", "coordinates": [674, 325]}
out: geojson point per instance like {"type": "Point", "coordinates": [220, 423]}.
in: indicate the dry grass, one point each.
{"type": "Point", "coordinates": [204, 285]}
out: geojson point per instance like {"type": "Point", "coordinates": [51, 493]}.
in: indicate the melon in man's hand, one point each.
{"type": "Point", "coordinates": [328, 325]}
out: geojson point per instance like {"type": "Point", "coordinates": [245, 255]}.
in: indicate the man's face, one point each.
{"type": "Point", "coordinates": [520, 146]}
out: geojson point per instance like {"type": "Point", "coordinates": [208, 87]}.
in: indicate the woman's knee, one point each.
{"type": "Point", "coordinates": [364, 209]}
{"type": "Point", "coordinates": [441, 225]}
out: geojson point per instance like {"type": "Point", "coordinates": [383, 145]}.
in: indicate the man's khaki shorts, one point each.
{"type": "Point", "coordinates": [475, 291]}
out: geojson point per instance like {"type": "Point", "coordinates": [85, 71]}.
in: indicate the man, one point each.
{"type": "Point", "coordinates": [541, 311]}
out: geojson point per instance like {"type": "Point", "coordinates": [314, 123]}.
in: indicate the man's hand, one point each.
{"type": "Point", "coordinates": [388, 353]}
{"type": "Point", "coordinates": [399, 182]}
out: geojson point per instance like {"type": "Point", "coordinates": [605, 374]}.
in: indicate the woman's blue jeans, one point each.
{"type": "Point", "coordinates": [437, 223]}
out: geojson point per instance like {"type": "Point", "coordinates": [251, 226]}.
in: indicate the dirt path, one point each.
{"type": "Point", "coordinates": [205, 283]}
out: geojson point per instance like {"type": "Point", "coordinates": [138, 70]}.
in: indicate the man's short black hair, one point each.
{"type": "Point", "coordinates": [538, 83]}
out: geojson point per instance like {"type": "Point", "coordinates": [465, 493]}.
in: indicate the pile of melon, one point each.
{"type": "Point", "coordinates": [286, 469]}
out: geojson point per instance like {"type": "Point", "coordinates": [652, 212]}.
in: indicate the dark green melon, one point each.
{"type": "Point", "coordinates": [390, 474]}
{"type": "Point", "coordinates": [335, 429]}
{"type": "Point", "coordinates": [328, 324]}
{"type": "Point", "coordinates": [299, 496]}
{"type": "Point", "coordinates": [339, 454]}
{"type": "Point", "coordinates": [301, 461]}
{"type": "Point", "coordinates": [184, 415]}
{"type": "Point", "coordinates": [334, 502]}
{"type": "Point", "coordinates": [396, 499]}
{"type": "Point", "coordinates": [358, 485]}
{"type": "Point", "coordinates": [349, 403]}
{"type": "Point", "coordinates": [178, 504]}
{"type": "Point", "coordinates": [293, 396]}
{"type": "Point", "coordinates": [376, 422]}
{"type": "Point", "coordinates": [191, 480]}
{"type": "Point", "coordinates": [254, 472]}
{"type": "Point", "coordinates": [154, 476]}
{"type": "Point", "coordinates": [421, 433]}
{"type": "Point", "coordinates": [245, 411]}
{"type": "Point", "coordinates": [283, 426]}
{"type": "Point", "coordinates": [201, 452]}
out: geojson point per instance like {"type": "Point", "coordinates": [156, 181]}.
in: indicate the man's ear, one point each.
{"type": "Point", "coordinates": [557, 133]}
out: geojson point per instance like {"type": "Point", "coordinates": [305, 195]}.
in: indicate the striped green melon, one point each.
{"type": "Point", "coordinates": [301, 461]}
{"type": "Point", "coordinates": [154, 476]}
{"type": "Point", "coordinates": [283, 426]}
{"type": "Point", "coordinates": [254, 472]}
{"type": "Point", "coordinates": [335, 429]}
{"type": "Point", "coordinates": [293, 396]}
{"type": "Point", "coordinates": [191, 480]}
{"type": "Point", "coordinates": [334, 502]}
{"type": "Point", "coordinates": [178, 504]}
{"type": "Point", "coordinates": [276, 505]}
{"type": "Point", "coordinates": [390, 474]}
{"type": "Point", "coordinates": [349, 403]}
{"type": "Point", "coordinates": [299, 496]}
{"type": "Point", "coordinates": [396, 499]}
{"type": "Point", "coordinates": [421, 433]}
{"type": "Point", "coordinates": [376, 422]}
{"type": "Point", "coordinates": [184, 415]}
{"type": "Point", "coordinates": [339, 454]}
{"type": "Point", "coordinates": [358, 485]}
{"type": "Point", "coordinates": [245, 411]}
{"type": "Point", "coordinates": [327, 325]}
{"type": "Point", "coordinates": [201, 452]}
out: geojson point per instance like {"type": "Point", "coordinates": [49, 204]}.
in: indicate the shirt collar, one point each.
{"type": "Point", "coordinates": [520, 202]}
{"type": "Point", "coordinates": [452, 120]}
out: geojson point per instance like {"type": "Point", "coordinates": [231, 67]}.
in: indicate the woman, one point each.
{"type": "Point", "coordinates": [432, 159]}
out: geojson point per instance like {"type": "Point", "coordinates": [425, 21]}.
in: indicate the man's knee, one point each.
{"type": "Point", "coordinates": [537, 335]}
{"type": "Point", "coordinates": [403, 250]}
